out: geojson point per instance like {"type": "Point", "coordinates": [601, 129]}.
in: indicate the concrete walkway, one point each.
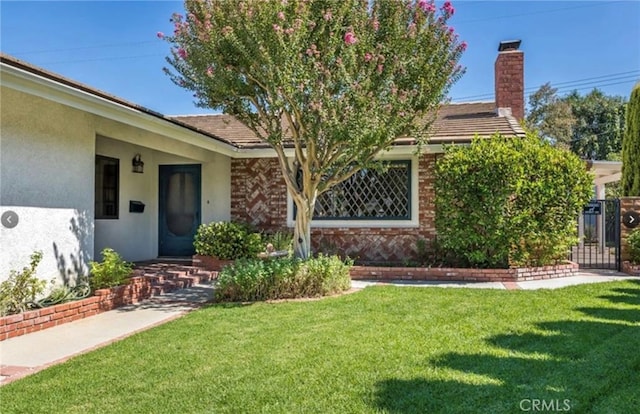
{"type": "Point", "coordinates": [27, 354]}
{"type": "Point", "coordinates": [31, 353]}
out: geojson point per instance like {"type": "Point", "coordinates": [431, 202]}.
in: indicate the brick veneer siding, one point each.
{"type": "Point", "coordinates": [626, 204]}
{"type": "Point", "coordinates": [259, 196]}
{"type": "Point", "coordinates": [454, 274]}
{"type": "Point", "coordinates": [139, 288]}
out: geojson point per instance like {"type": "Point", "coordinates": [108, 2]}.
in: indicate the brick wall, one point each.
{"type": "Point", "coordinates": [509, 82]}
{"type": "Point", "coordinates": [626, 204]}
{"type": "Point", "coordinates": [259, 196]}
{"type": "Point", "coordinates": [459, 274]}
{"type": "Point", "coordinates": [137, 289]}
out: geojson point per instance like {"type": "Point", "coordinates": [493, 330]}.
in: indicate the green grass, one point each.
{"type": "Point", "coordinates": [384, 349]}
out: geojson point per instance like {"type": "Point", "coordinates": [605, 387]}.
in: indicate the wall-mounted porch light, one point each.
{"type": "Point", "coordinates": [138, 165]}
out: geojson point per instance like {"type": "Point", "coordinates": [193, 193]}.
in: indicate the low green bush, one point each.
{"type": "Point", "coordinates": [21, 288]}
{"type": "Point", "coordinates": [227, 241]}
{"type": "Point", "coordinates": [112, 271]}
{"type": "Point", "coordinates": [282, 278]}
{"type": "Point", "coordinates": [634, 246]}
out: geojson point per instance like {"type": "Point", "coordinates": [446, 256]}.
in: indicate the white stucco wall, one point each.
{"type": "Point", "coordinates": [46, 177]}
{"type": "Point", "coordinates": [47, 161]}
{"type": "Point", "coordinates": [135, 235]}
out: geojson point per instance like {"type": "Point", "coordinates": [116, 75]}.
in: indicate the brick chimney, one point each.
{"type": "Point", "coordinates": [509, 79]}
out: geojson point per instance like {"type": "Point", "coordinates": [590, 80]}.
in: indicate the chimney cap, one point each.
{"type": "Point", "coordinates": [509, 45]}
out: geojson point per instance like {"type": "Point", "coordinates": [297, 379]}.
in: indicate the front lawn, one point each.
{"type": "Point", "coordinates": [385, 349]}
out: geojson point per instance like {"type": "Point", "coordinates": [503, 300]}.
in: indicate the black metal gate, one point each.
{"type": "Point", "coordinates": [599, 233]}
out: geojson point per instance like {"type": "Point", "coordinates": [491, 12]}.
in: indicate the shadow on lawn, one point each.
{"type": "Point", "coordinates": [590, 365]}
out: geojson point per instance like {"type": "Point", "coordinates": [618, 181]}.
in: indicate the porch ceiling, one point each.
{"type": "Point", "coordinates": [605, 171]}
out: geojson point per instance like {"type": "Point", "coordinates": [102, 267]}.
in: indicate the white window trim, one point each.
{"type": "Point", "coordinates": [414, 222]}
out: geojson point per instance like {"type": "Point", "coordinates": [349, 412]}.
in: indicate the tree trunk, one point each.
{"type": "Point", "coordinates": [302, 231]}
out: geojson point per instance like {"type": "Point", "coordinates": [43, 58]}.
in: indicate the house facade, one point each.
{"type": "Point", "coordinates": [81, 170]}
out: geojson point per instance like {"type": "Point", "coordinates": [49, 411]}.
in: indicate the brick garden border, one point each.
{"type": "Point", "coordinates": [139, 288]}
{"type": "Point", "coordinates": [630, 269]}
{"type": "Point", "coordinates": [461, 274]}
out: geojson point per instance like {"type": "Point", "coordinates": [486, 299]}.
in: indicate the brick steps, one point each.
{"type": "Point", "coordinates": [167, 277]}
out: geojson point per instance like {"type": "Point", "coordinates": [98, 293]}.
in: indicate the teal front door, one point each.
{"type": "Point", "coordinates": [179, 210]}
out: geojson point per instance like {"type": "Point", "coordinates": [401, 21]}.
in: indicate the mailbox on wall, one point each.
{"type": "Point", "coordinates": [136, 206]}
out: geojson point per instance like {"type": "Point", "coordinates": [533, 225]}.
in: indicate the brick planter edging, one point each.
{"type": "Point", "coordinates": [462, 274]}
{"type": "Point", "coordinates": [103, 300]}
{"type": "Point", "coordinates": [631, 269]}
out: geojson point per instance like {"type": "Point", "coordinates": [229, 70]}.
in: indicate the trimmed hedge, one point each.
{"type": "Point", "coordinates": [633, 243]}
{"type": "Point", "coordinates": [504, 202]}
{"type": "Point", "coordinates": [227, 240]}
{"type": "Point", "coordinates": [282, 278]}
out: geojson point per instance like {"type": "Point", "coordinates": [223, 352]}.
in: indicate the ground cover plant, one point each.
{"type": "Point", "coordinates": [385, 349]}
{"type": "Point", "coordinates": [282, 278]}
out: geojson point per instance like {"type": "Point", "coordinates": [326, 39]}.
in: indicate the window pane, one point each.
{"type": "Point", "coordinates": [369, 195]}
{"type": "Point", "coordinates": [107, 187]}
{"type": "Point", "coordinates": [181, 203]}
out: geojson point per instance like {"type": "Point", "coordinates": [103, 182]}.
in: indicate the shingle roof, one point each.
{"type": "Point", "coordinates": [457, 123]}
{"type": "Point", "coordinates": [38, 71]}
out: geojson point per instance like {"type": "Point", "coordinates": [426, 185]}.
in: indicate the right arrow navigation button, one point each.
{"type": "Point", "coordinates": [631, 219]}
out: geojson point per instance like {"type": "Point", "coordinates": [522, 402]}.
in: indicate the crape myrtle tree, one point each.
{"type": "Point", "coordinates": [329, 84]}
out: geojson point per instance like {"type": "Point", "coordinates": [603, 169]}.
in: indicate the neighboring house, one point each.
{"type": "Point", "coordinates": [70, 170]}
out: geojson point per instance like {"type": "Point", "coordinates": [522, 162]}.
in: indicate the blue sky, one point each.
{"type": "Point", "coordinates": [112, 45]}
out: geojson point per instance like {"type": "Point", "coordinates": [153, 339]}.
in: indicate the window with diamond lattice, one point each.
{"type": "Point", "coordinates": [369, 195]}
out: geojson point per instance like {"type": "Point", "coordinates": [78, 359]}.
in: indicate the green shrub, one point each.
{"type": "Point", "coordinates": [21, 288]}
{"type": "Point", "coordinates": [282, 278]}
{"type": "Point", "coordinates": [633, 242]}
{"type": "Point", "coordinates": [227, 241]}
{"type": "Point", "coordinates": [112, 271]}
{"type": "Point", "coordinates": [509, 201]}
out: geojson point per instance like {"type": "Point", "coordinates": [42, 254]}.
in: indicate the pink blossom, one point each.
{"type": "Point", "coordinates": [367, 57]}
{"type": "Point", "coordinates": [380, 68]}
{"type": "Point", "coordinates": [160, 35]}
{"type": "Point", "coordinates": [277, 28]}
{"type": "Point", "coordinates": [281, 15]}
{"type": "Point", "coordinates": [450, 30]}
{"type": "Point", "coordinates": [328, 15]}
{"type": "Point", "coordinates": [209, 71]}
{"type": "Point", "coordinates": [226, 30]}
{"type": "Point", "coordinates": [350, 38]}
{"type": "Point", "coordinates": [463, 46]}
{"type": "Point", "coordinates": [426, 6]}
{"type": "Point", "coordinates": [447, 7]}
{"type": "Point", "coordinates": [289, 31]}
{"type": "Point", "coordinates": [182, 53]}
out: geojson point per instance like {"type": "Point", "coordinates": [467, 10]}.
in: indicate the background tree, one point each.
{"type": "Point", "coordinates": [631, 147]}
{"type": "Point", "coordinates": [328, 84]}
{"type": "Point", "coordinates": [591, 125]}
{"type": "Point", "coordinates": [550, 116]}
{"type": "Point", "coordinates": [599, 124]}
